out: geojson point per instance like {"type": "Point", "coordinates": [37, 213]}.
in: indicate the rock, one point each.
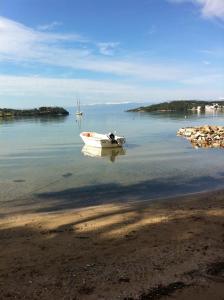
{"type": "Point", "coordinates": [204, 136]}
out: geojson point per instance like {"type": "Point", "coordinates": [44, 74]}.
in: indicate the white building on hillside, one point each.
{"type": "Point", "coordinates": [214, 106]}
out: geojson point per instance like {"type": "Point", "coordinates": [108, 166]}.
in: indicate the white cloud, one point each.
{"type": "Point", "coordinates": [209, 8]}
{"type": "Point", "coordinates": [19, 43]}
{"type": "Point", "coordinates": [107, 48]}
{"type": "Point", "coordinates": [206, 62]}
{"type": "Point", "coordinates": [49, 26]}
{"type": "Point", "coordinates": [216, 53]}
{"type": "Point", "coordinates": [202, 80]}
{"type": "Point", "coordinates": [26, 90]}
{"type": "Point", "coordinates": [212, 8]}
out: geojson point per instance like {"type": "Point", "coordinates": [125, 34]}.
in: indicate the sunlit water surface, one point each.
{"type": "Point", "coordinates": [39, 156]}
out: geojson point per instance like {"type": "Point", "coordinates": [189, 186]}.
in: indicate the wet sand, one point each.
{"type": "Point", "coordinates": [133, 250]}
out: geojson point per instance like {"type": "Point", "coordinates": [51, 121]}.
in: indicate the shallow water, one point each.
{"type": "Point", "coordinates": [45, 157]}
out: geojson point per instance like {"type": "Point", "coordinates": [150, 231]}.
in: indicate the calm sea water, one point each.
{"type": "Point", "coordinates": [45, 157]}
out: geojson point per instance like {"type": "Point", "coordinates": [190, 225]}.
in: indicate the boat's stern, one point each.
{"type": "Point", "coordinates": [120, 140]}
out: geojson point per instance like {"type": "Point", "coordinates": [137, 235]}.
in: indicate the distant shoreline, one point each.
{"type": "Point", "coordinates": [36, 112]}
{"type": "Point", "coordinates": [182, 106]}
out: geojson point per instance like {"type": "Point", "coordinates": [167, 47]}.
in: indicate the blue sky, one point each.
{"type": "Point", "coordinates": [110, 51]}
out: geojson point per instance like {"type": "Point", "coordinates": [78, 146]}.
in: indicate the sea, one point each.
{"type": "Point", "coordinates": [44, 159]}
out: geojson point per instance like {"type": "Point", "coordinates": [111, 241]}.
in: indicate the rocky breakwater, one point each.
{"type": "Point", "coordinates": [204, 136]}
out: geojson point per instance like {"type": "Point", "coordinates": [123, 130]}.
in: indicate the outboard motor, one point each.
{"type": "Point", "coordinates": [112, 138]}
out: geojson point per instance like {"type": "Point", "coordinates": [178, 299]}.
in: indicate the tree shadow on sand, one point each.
{"type": "Point", "coordinates": [117, 250]}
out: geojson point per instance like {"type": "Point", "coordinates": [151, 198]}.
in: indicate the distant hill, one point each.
{"type": "Point", "coordinates": [178, 105]}
{"type": "Point", "coordinates": [36, 112]}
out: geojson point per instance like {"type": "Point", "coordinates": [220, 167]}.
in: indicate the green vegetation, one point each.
{"type": "Point", "coordinates": [36, 112]}
{"type": "Point", "coordinates": [177, 105]}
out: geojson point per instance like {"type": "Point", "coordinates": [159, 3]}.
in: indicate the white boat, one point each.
{"type": "Point", "coordinates": [78, 112]}
{"type": "Point", "coordinates": [102, 140]}
{"type": "Point", "coordinates": [110, 153]}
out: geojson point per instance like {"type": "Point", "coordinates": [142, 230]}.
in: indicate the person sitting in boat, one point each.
{"type": "Point", "coordinates": [112, 138]}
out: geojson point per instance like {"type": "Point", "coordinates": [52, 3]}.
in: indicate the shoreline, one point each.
{"type": "Point", "coordinates": [124, 251]}
{"type": "Point", "coordinates": [52, 111]}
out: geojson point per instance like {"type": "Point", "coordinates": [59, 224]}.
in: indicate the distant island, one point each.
{"type": "Point", "coordinates": [181, 106]}
{"type": "Point", "coordinates": [36, 112]}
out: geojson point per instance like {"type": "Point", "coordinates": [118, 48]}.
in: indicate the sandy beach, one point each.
{"type": "Point", "coordinates": [136, 250]}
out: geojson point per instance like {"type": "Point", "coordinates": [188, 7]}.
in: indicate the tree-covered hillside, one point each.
{"type": "Point", "coordinates": [177, 105]}
{"type": "Point", "coordinates": [36, 112]}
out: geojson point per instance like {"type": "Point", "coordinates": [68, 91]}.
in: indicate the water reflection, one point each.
{"type": "Point", "coordinates": [110, 153]}
{"type": "Point", "coordinates": [79, 121]}
{"type": "Point", "coordinates": [188, 115]}
{"type": "Point", "coordinates": [34, 119]}
{"type": "Point", "coordinates": [198, 145]}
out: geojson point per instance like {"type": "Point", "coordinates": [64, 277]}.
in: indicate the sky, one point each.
{"type": "Point", "coordinates": [110, 51]}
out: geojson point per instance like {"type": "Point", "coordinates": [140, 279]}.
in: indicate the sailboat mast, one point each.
{"type": "Point", "coordinates": [78, 105]}
{"type": "Point", "coordinates": [78, 112]}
